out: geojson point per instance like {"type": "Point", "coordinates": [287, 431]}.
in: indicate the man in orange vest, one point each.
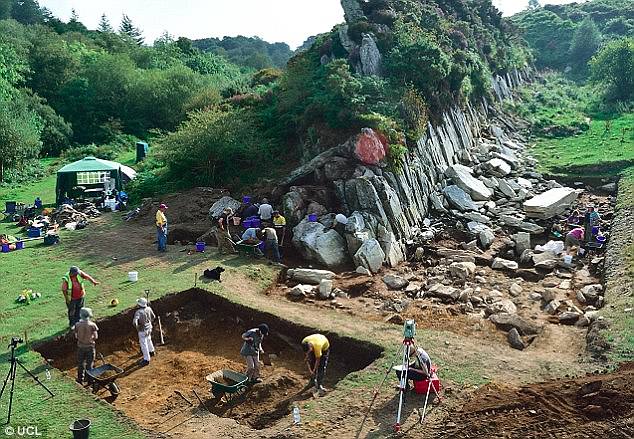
{"type": "Point", "coordinates": [74, 292]}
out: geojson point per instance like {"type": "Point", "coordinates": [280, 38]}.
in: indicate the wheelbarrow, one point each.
{"type": "Point", "coordinates": [228, 384]}
{"type": "Point", "coordinates": [249, 250]}
{"type": "Point", "coordinates": [104, 377]}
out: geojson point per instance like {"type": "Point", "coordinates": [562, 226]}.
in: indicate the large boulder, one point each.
{"type": "Point", "coordinates": [462, 270]}
{"type": "Point", "coordinates": [370, 148]}
{"type": "Point", "coordinates": [370, 255]}
{"type": "Point", "coordinates": [394, 282]}
{"type": "Point", "coordinates": [506, 322]}
{"type": "Point", "coordinates": [309, 275]}
{"type": "Point", "coordinates": [522, 242]}
{"type": "Point", "coordinates": [369, 56]}
{"type": "Point", "coordinates": [216, 210]}
{"type": "Point", "coordinates": [550, 203]}
{"type": "Point", "coordinates": [459, 198]}
{"type": "Point", "coordinates": [293, 207]}
{"type": "Point", "coordinates": [503, 264]}
{"type": "Point", "coordinates": [461, 176]}
{"type": "Point", "coordinates": [498, 167]}
{"type": "Point", "coordinates": [324, 246]}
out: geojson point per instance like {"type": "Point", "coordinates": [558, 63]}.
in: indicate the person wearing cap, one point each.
{"type": "Point", "coordinates": [74, 292]}
{"type": "Point", "coordinates": [251, 350]}
{"type": "Point", "coordinates": [161, 228]}
{"type": "Point", "coordinates": [142, 321]}
{"type": "Point", "coordinates": [223, 236]}
{"type": "Point", "coordinates": [86, 332]}
{"type": "Point", "coordinates": [265, 210]}
{"type": "Point", "coordinates": [317, 350]}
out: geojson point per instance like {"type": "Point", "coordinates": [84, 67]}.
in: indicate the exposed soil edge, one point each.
{"type": "Point", "coordinates": [616, 269]}
{"type": "Point", "coordinates": [354, 353]}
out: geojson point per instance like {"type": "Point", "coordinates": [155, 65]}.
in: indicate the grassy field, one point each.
{"type": "Point", "coordinates": [40, 268]}
{"type": "Point", "coordinates": [571, 137]}
{"type": "Point", "coordinates": [605, 149]}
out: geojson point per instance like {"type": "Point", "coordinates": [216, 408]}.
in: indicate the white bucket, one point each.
{"type": "Point", "coordinates": [568, 259]}
{"type": "Point", "coordinates": [133, 276]}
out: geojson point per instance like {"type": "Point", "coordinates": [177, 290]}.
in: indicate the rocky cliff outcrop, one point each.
{"type": "Point", "coordinates": [387, 204]}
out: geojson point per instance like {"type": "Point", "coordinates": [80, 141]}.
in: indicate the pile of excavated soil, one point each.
{"type": "Point", "coordinates": [187, 213]}
{"type": "Point", "coordinates": [592, 406]}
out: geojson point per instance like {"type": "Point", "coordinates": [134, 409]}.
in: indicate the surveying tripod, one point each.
{"type": "Point", "coordinates": [409, 333]}
{"type": "Point", "coordinates": [12, 373]}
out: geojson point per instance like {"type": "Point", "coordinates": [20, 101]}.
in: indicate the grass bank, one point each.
{"type": "Point", "coordinates": [572, 137]}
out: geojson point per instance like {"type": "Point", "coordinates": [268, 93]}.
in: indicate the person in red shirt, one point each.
{"type": "Point", "coordinates": [74, 292]}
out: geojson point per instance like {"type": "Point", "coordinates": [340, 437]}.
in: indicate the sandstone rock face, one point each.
{"type": "Point", "coordinates": [309, 275]}
{"type": "Point", "coordinates": [393, 202]}
{"type": "Point", "coordinates": [370, 256]}
{"type": "Point", "coordinates": [370, 148]}
{"type": "Point", "coordinates": [459, 199]}
{"type": "Point", "coordinates": [216, 210]}
{"type": "Point", "coordinates": [318, 244]}
{"type": "Point", "coordinates": [370, 57]}
{"type": "Point", "coordinates": [352, 10]}
{"type": "Point", "coordinates": [462, 177]}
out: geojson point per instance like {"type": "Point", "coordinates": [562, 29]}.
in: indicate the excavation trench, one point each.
{"type": "Point", "coordinates": [203, 334]}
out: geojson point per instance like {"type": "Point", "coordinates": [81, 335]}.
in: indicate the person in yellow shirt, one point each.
{"type": "Point", "coordinates": [278, 219]}
{"type": "Point", "coordinates": [317, 350]}
{"type": "Point", "coordinates": [161, 228]}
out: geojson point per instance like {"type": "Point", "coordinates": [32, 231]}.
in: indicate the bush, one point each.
{"type": "Point", "coordinates": [613, 67]}
{"type": "Point", "coordinates": [217, 148]}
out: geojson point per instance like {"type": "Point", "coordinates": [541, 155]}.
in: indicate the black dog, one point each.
{"type": "Point", "coordinates": [213, 274]}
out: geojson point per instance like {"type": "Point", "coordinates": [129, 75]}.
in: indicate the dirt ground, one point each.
{"type": "Point", "coordinates": [199, 340]}
{"type": "Point", "coordinates": [470, 349]}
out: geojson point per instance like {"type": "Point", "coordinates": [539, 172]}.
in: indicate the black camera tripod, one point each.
{"type": "Point", "coordinates": [12, 372]}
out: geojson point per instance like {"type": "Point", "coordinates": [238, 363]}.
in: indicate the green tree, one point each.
{"type": "Point", "coordinates": [613, 67]}
{"type": "Point", "coordinates": [104, 25]}
{"type": "Point", "coordinates": [217, 148]}
{"type": "Point", "coordinates": [5, 9]}
{"type": "Point", "coordinates": [534, 4]}
{"type": "Point", "coordinates": [129, 30]}
{"type": "Point", "coordinates": [19, 130]}
{"type": "Point", "coordinates": [585, 43]}
{"type": "Point", "coordinates": [52, 64]}
{"type": "Point", "coordinates": [27, 11]}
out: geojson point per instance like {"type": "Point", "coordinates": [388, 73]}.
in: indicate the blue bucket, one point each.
{"type": "Point", "coordinates": [200, 247]}
{"type": "Point", "coordinates": [601, 239]}
{"type": "Point", "coordinates": [312, 218]}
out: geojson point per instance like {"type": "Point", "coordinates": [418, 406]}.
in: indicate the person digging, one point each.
{"type": "Point", "coordinates": [251, 350]}
{"type": "Point", "coordinates": [142, 321]}
{"type": "Point", "coordinates": [74, 292]}
{"type": "Point", "coordinates": [317, 350]}
{"type": "Point", "coordinates": [86, 332]}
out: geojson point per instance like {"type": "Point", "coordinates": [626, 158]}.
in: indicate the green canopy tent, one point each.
{"type": "Point", "coordinates": [86, 176]}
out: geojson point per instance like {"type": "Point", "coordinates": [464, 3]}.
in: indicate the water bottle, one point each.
{"type": "Point", "coordinates": [48, 374]}
{"type": "Point", "coordinates": [296, 417]}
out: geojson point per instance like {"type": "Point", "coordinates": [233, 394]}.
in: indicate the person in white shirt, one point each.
{"type": "Point", "coordinates": [265, 211]}
{"type": "Point", "coordinates": [142, 321]}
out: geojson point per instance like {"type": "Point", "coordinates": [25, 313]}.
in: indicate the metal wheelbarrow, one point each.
{"type": "Point", "coordinates": [104, 377]}
{"type": "Point", "coordinates": [227, 383]}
